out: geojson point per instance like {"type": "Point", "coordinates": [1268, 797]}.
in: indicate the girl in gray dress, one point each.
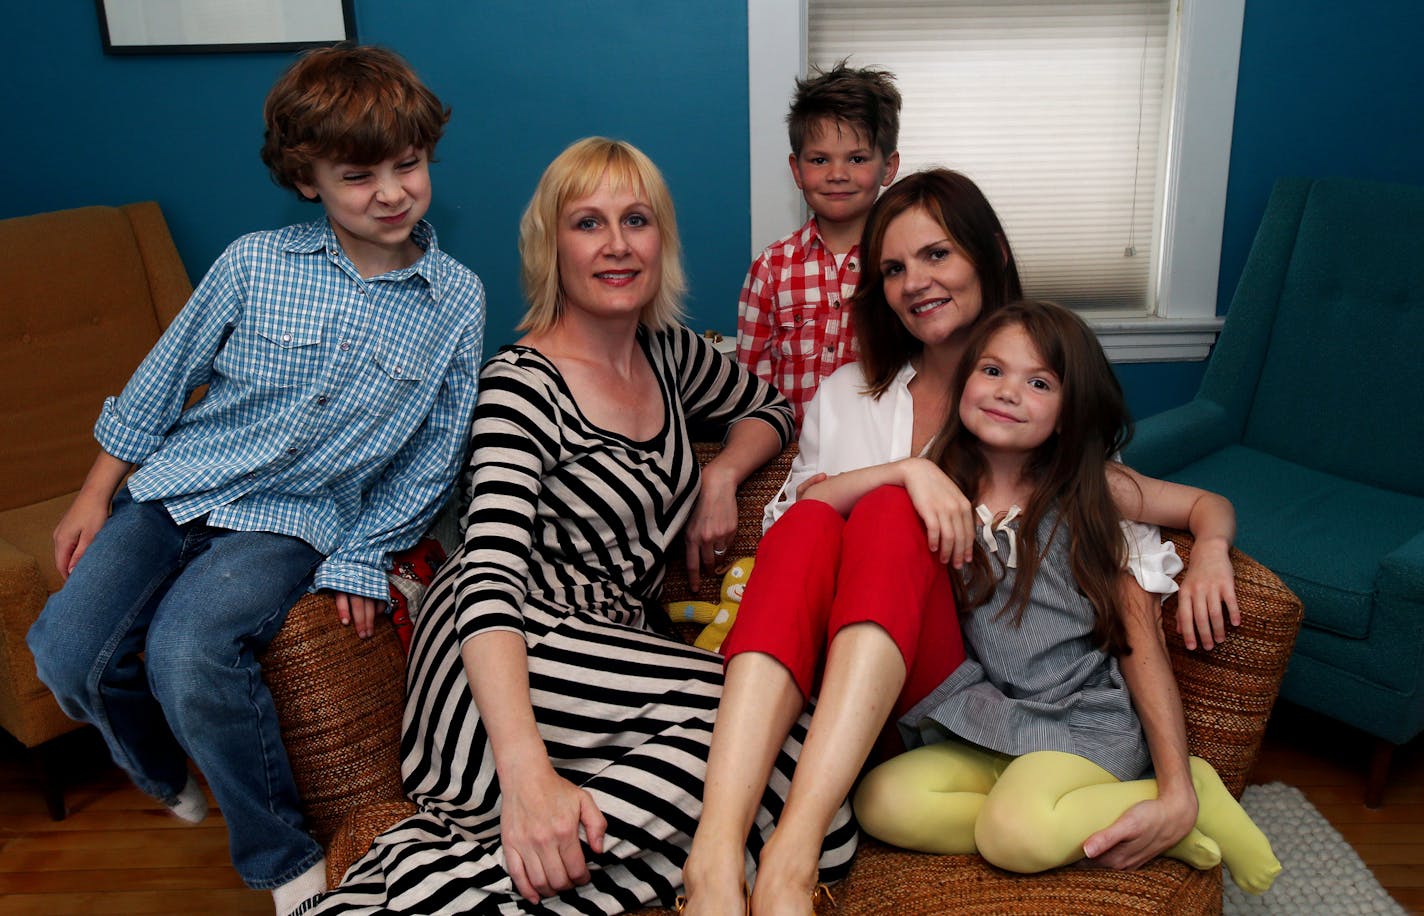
{"type": "Point", "coordinates": [1032, 746]}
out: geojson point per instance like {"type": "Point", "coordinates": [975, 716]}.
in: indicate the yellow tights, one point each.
{"type": "Point", "coordinates": [1032, 813]}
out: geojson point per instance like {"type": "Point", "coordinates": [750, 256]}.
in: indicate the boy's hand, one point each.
{"type": "Point", "coordinates": [1207, 588]}
{"type": "Point", "coordinates": [89, 511]}
{"type": "Point", "coordinates": [358, 610]}
{"type": "Point", "coordinates": [943, 507]}
{"type": "Point", "coordinates": [76, 531]}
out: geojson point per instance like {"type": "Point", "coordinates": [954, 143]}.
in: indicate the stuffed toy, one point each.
{"type": "Point", "coordinates": [717, 617]}
{"type": "Point", "coordinates": [410, 576]}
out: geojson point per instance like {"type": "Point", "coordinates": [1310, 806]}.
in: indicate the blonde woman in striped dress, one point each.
{"type": "Point", "coordinates": [555, 743]}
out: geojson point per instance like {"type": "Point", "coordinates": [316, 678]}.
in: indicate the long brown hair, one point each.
{"type": "Point", "coordinates": [956, 203]}
{"type": "Point", "coordinates": [1068, 471]}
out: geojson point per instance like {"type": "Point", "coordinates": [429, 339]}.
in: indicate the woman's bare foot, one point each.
{"type": "Point", "coordinates": [786, 881]}
{"type": "Point", "coordinates": [714, 884]}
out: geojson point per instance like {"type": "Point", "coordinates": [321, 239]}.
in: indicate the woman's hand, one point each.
{"type": "Point", "coordinates": [1207, 588]}
{"type": "Point", "coordinates": [943, 507]}
{"type": "Point", "coordinates": [1144, 831]}
{"type": "Point", "coordinates": [1210, 583]}
{"type": "Point", "coordinates": [540, 816]}
{"type": "Point", "coordinates": [712, 525]}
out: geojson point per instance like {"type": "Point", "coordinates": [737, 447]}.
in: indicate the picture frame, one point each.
{"type": "Point", "coordinates": [221, 26]}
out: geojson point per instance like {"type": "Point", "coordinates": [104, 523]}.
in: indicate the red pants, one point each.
{"type": "Point", "coordinates": [816, 572]}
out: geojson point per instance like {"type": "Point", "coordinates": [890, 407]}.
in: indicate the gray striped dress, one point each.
{"type": "Point", "coordinates": [1040, 686]}
{"type": "Point", "coordinates": [566, 542]}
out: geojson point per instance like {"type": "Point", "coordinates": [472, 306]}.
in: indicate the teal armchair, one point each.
{"type": "Point", "coordinates": [1310, 418]}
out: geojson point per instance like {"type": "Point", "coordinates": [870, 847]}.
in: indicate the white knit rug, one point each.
{"type": "Point", "coordinates": [1321, 873]}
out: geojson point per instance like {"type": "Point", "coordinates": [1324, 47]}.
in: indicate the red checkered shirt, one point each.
{"type": "Point", "coordinates": [793, 323]}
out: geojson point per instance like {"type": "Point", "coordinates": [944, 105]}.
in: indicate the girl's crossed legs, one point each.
{"type": "Point", "coordinates": [1032, 813]}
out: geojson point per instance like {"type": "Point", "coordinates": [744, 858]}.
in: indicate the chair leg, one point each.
{"type": "Point", "coordinates": [1379, 772]}
{"type": "Point", "coordinates": [47, 766]}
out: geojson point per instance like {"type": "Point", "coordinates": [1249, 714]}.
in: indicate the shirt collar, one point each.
{"type": "Point", "coordinates": [318, 235]}
{"type": "Point", "coordinates": [808, 239]}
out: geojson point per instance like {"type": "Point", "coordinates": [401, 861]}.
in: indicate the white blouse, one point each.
{"type": "Point", "coordinates": [845, 429]}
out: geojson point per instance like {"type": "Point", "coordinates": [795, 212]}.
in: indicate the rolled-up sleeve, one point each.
{"type": "Point", "coordinates": [133, 425]}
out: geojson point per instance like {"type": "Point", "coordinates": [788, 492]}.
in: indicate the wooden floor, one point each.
{"type": "Point", "coordinates": [118, 852]}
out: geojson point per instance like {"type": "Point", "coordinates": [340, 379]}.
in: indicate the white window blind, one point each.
{"type": "Point", "coordinates": [1055, 108]}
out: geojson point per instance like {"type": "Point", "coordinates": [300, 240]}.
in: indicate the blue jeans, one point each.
{"type": "Point", "coordinates": [153, 640]}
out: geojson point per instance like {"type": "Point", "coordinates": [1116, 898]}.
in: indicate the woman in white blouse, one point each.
{"type": "Point", "coordinates": [935, 260]}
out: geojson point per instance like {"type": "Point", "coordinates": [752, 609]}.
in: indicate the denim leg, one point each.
{"type": "Point", "coordinates": [87, 641]}
{"type": "Point", "coordinates": [225, 606]}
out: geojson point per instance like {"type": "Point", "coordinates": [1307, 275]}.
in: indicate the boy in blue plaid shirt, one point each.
{"type": "Point", "coordinates": [341, 358]}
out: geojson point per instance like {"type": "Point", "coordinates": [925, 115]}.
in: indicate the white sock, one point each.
{"type": "Point", "coordinates": [192, 804]}
{"type": "Point", "coordinates": [299, 894]}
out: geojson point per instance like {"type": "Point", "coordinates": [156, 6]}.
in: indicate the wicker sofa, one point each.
{"type": "Point", "coordinates": [340, 701]}
{"type": "Point", "coordinates": [86, 293]}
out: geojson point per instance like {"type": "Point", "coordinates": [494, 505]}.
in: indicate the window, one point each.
{"type": "Point", "coordinates": [1153, 180]}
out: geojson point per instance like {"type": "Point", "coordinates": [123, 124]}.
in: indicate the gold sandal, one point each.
{"type": "Point", "coordinates": [680, 902]}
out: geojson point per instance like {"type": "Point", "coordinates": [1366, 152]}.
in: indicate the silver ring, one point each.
{"type": "Point", "coordinates": [718, 551]}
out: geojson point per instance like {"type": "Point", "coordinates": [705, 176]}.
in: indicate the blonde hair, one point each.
{"type": "Point", "coordinates": [576, 173]}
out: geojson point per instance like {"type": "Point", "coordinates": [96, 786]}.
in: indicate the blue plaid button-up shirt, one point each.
{"type": "Point", "coordinates": [338, 409]}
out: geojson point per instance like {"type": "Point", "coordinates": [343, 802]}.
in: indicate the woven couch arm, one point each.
{"type": "Point", "coordinates": [752, 496]}
{"type": "Point", "coordinates": [1228, 692]}
{"type": "Point", "coordinates": [339, 699]}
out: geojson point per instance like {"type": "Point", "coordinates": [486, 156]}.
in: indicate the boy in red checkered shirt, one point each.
{"type": "Point", "coordinates": [793, 323]}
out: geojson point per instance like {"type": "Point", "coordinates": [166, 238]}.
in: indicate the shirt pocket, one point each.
{"type": "Point", "coordinates": [278, 352]}
{"type": "Point", "coordinates": [393, 379]}
{"type": "Point", "coordinates": [795, 331]}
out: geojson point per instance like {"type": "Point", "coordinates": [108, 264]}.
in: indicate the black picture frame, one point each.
{"type": "Point", "coordinates": [115, 20]}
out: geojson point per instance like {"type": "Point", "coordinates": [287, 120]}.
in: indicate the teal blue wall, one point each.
{"type": "Point", "coordinates": [1325, 88]}
{"type": "Point", "coordinates": [524, 80]}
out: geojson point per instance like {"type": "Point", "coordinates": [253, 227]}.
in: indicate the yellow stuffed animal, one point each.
{"type": "Point", "coordinates": [718, 617]}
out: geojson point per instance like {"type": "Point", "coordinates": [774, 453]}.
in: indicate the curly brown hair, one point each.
{"type": "Point", "coordinates": [354, 104]}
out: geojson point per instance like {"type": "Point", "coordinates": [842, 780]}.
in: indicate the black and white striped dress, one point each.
{"type": "Point", "coordinates": [566, 542]}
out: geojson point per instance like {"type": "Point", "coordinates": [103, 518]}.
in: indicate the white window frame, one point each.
{"type": "Point", "coordinates": [1207, 34]}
